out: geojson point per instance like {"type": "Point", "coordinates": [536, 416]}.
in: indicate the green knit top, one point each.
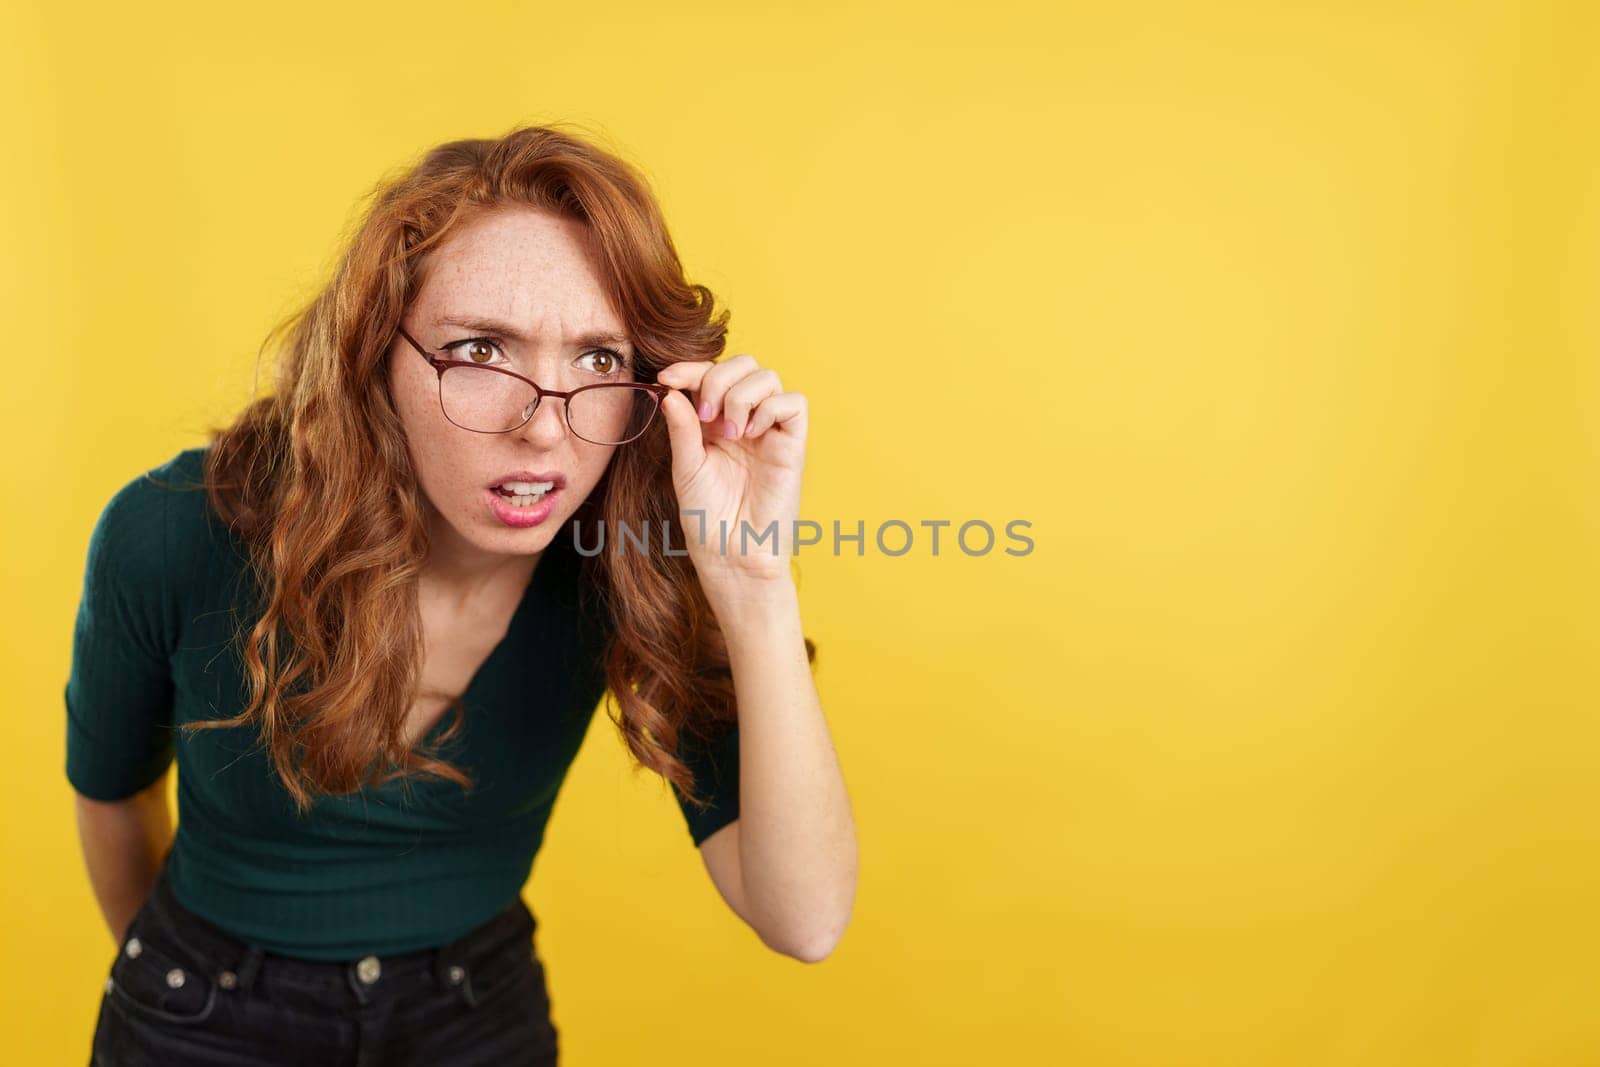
{"type": "Point", "coordinates": [410, 865]}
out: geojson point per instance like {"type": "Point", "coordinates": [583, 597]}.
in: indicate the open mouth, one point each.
{"type": "Point", "coordinates": [524, 494]}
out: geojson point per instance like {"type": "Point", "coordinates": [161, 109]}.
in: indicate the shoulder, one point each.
{"type": "Point", "coordinates": [153, 489]}
{"type": "Point", "coordinates": [152, 522]}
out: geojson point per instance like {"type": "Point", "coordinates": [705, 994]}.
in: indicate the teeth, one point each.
{"type": "Point", "coordinates": [527, 488]}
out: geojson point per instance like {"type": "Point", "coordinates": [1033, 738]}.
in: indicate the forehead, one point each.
{"type": "Point", "coordinates": [521, 265]}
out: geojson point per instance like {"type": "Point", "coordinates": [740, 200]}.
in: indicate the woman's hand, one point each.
{"type": "Point", "coordinates": [737, 452]}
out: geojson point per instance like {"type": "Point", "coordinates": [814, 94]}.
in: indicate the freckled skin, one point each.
{"type": "Point", "coordinates": [534, 270]}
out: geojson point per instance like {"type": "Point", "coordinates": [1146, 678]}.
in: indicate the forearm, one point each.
{"type": "Point", "coordinates": [124, 843]}
{"type": "Point", "coordinates": [797, 844]}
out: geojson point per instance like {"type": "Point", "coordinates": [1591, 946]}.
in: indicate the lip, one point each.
{"type": "Point", "coordinates": [531, 476]}
{"type": "Point", "coordinates": [521, 518]}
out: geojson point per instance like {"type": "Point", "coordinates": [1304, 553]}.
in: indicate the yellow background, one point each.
{"type": "Point", "coordinates": [1275, 320]}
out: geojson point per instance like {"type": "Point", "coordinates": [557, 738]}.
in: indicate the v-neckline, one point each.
{"type": "Point", "coordinates": [532, 593]}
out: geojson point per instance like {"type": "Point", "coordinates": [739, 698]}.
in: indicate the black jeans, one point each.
{"type": "Point", "coordinates": [181, 991]}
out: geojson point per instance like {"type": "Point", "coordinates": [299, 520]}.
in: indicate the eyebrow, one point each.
{"type": "Point", "coordinates": [506, 330]}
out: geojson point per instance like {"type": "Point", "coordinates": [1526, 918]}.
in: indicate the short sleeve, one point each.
{"type": "Point", "coordinates": [715, 764]}
{"type": "Point", "coordinates": [119, 688]}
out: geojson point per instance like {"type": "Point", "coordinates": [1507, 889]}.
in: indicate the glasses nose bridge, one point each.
{"type": "Point", "coordinates": [539, 395]}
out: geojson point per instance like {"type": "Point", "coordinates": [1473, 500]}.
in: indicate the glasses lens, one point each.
{"type": "Point", "coordinates": [611, 414]}
{"type": "Point", "coordinates": [483, 399]}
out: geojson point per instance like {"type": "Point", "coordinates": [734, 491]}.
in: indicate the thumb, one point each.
{"type": "Point", "coordinates": [683, 427]}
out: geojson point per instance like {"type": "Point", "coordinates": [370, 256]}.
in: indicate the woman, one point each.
{"type": "Point", "coordinates": [502, 474]}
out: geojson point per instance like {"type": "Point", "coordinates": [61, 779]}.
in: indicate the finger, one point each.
{"type": "Point", "coordinates": [685, 434]}
{"type": "Point", "coordinates": [745, 394]}
{"type": "Point", "coordinates": [787, 411]}
{"type": "Point", "coordinates": [716, 381]}
{"type": "Point", "coordinates": [685, 374]}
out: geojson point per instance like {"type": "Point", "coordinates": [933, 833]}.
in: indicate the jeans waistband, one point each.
{"type": "Point", "coordinates": [238, 964]}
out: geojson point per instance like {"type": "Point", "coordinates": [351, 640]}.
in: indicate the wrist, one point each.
{"type": "Point", "coordinates": [743, 599]}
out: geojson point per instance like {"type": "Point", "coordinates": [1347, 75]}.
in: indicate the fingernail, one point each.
{"type": "Point", "coordinates": [729, 430]}
{"type": "Point", "coordinates": [705, 410]}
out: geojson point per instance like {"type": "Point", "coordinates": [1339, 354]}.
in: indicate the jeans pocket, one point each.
{"type": "Point", "coordinates": [152, 979]}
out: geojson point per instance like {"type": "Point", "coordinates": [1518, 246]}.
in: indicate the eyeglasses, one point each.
{"type": "Point", "coordinates": [495, 400]}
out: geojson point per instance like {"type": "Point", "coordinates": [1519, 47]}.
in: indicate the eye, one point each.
{"type": "Point", "coordinates": [478, 350]}
{"type": "Point", "coordinates": [608, 363]}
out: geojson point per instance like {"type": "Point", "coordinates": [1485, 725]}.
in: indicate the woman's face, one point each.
{"type": "Point", "coordinates": [519, 286]}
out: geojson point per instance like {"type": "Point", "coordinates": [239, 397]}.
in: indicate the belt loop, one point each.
{"type": "Point", "coordinates": [356, 985]}
{"type": "Point", "coordinates": [244, 975]}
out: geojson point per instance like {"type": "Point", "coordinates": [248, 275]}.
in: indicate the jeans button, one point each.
{"type": "Point", "coordinates": [175, 977]}
{"type": "Point", "coordinates": [456, 974]}
{"type": "Point", "coordinates": [368, 970]}
{"type": "Point", "coordinates": [134, 948]}
{"type": "Point", "coordinates": [227, 979]}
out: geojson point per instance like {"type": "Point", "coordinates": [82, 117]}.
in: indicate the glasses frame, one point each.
{"type": "Point", "coordinates": [655, 389]}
